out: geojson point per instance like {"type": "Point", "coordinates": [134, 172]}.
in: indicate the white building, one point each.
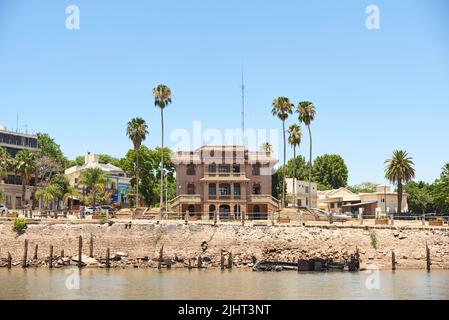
{"type": "Point", "coordinates": [302, 193]}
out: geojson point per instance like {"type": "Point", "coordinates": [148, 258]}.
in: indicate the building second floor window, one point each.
{"type": "Point", "coordinates": [212, 189]}
{"type": "Point", "coordinates": [237, 190]}
{"type": "Point", "coordinates": [236, 168]}
{"type": "Point", "coordinates": [212, 168]}
{"type": "Point", "coordinates": [191, 169]}
{"type": "Point", "coordinates": [225, 189]}
{"type": "Point", "coordinates": [256, 169]}
{"type": "Point", "coordinates": [224, 168]}
{"type": "Point", "coordinates": [257, 189]}
{"type": "Point", "coordinates": [190, 188]}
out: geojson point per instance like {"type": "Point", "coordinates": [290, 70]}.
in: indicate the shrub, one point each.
{"type": "Point", "coordinates": [440, 219]}
{"type": "Point", "coordinates": [19, 226]}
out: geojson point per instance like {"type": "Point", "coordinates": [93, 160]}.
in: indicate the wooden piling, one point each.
{"type": "Point", "coordinates": [243, 219]}
{"type": "Point", "coordinates": [230, 260]}
{"type": "Point", "coordinates": [161, 255]}
{"type": "Point", "coordinates": [215, 217]}
{"type": "Point", "coordinates": [190, 264]}
{"type": "Point", "coordinates": [200, 262]}
{"type": "Point", "coordinates": [222, 260]}
{"type": "Point", "coordinates": [393, 261]}
{"type": "Point", "coordinates": [25, 253]}
{"type": "Point", "coordinates": [80, 252]}
{"type": "Point", "coordinates": [429, 263]}
{"type": "Point", "coordinates": [91, 247]}
{"type": "Point", "coordinates": [35, 252]}
{"type": "Point", "coordinates": [108, 255]}
{"type": "Point", "coordinates": [9, 260]}
{"type": "Point", "coordinates": [50, 260]}
{"type": "Point", "coordinates": [62, 253]}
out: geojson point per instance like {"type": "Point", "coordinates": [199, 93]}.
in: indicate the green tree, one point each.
{"type": "Point", "coordinates": [48, 147]}
{"type": "Point", "coordinates": [420, 197]}
{"type": "Point", "coordinates": [330, 171]}
{"type": "Point", "coordinates": [298, 168]}
{"type": "Point", "coordinates": [445, 169]}
{"type": "Point", "coordinates": [281, 108]}
{"type": "Point", "coordinates": [364, 187]}
{"type": "Point", "coordinates": [162, 98]}
{"type": "Point", "coordinates": [440, 195]}
{"type": "Point", "coordinates": [137, 131]}
{"type": "Point", "coordinates": [399, 169]}
{"type": "Point", "coordinates": [306, 114]}
{"type": "Point", "coordinates": [294, 139]}
{"type": "Point", "coordinates": [91, 178]}
{"type": "Point", "coordinates": [25, 167]}
{"type": "Point", "coordinates": [47, 194]}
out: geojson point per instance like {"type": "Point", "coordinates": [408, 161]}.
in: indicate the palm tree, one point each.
{"type": "Point", "coordinates": [47, 194]}
{"type": "Point", "coordinates": [70, 195]}
{"type": "Point", "coordinates": [294, 139]}
{"type": "Point", "coordinates": [137, 131]}
{"type": "Point", "coordinates": [399, 169]}
{"type": "Point", "coordinates": [90, 178]}
{"type": "Point", "coordinates": [306, 114]}
{"type": "Point", "coordinates": [162, 98]}
{"type": "Point", "coordinates": [5, 163]}
{"type": "Point", "coordinates": [25, 166]}
{"type": "Point", "coordinates": [282, 107]}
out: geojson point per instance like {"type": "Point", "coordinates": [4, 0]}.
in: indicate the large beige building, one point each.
{"type": "Point", "coordinates": [227, 179]}
{"type": "Point", "coordinates": [11, 185]}
{"type": "Point", "coordinates": [302, 193]}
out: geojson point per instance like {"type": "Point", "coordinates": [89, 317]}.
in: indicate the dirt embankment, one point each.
{"type": "Point", "coordinates": [139, 246]}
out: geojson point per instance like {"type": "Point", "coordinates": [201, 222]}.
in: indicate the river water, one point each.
{"type": "Point", "coordinates": [214, 284]}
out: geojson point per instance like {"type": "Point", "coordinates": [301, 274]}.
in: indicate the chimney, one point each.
{"type": "Point", "coordinates": [91, 158]}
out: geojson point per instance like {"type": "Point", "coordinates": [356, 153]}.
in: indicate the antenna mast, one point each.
{"type": "Point", "coordinates": [243, 111]}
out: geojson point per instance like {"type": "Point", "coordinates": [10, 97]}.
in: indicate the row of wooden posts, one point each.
{"type": "Point", "coordinates": [199, 261]}
{"type": "Point", "coordinates": [161, 254]}
{"type": "Point", "coordinates": [50, 259]}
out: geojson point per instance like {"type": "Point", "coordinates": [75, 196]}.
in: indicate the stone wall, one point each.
{"type": "Point", "coordinates": [282, 243]}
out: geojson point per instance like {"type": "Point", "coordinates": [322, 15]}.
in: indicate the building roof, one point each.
{"type": "Point", "coordinates": [91, 161]}
{"type": "Point", "coordinates": [214, 154]}
{"type": "Point", "coordinates": [342, 193]}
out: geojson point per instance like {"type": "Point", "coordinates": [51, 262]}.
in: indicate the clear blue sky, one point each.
{"type": "Point", "coordinates": [374, 90]}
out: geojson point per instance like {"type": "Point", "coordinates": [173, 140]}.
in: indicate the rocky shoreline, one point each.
{"type": "Point", "coordinates": [199, 245]}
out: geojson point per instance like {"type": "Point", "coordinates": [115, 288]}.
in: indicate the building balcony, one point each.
{"type": "Point", "coordinates": [186, 198]}
{"type": "Point", "coordinates": [226, 197]}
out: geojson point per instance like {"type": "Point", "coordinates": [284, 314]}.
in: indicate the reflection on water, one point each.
{"type": "Point", "coordinates": [213, 284]}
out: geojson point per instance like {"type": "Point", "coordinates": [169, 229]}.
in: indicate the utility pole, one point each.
{"type": "Point", "coordinates": [242, 138]}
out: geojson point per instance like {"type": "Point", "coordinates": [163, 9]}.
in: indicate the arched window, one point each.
{"type": "Point", "coordinates": [191, 169]}
{"type": "Point", "coordinates": [191, 188]}
{"type": "Point", "coordinates": [256, 169]}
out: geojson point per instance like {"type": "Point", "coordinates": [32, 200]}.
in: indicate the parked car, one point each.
{"type": "Point", "coordinates": [106, 208]}
{"type": "Point", "coordinates": [3, 209]}
{"type": "Point", "coordinates": [88, 210]}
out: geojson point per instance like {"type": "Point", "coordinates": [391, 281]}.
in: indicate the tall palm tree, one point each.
{"type": "Point", "coordinates": [70, 195]}
{"type": "Point", "coordinates": [282, 107]}
{"type": "Point", "coordinates": [306, 114]}
{"type": "Point", "coordinates": [137, 131]}
{"type": "Point", "coordinates": [399, 169]}
{"type": "Point", "coordinates": [162, 98]}
{"type": "Point", "coordinates": [25, 166]}
{"type": "Point", "coordinates": [91, 178]}
{"type": "Point", "coordinates": [294, 139]}
{"type": "Point", "coordinates": [5, 163]}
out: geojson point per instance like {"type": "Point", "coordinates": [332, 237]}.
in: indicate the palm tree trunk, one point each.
{"type": "Point", "coordinates": [294, 177]}
{"type": "Point", "coordinates": [94, 198]}
{"type": "Point", "coordinates": [162, 160]}
{"type": "Point", "coordinates": [283, 173]}
{"type": "Point", "coordinates": [399, 196]}
{"type": "Point", "coordinates": [23, 192]}
{"type": "Point", "coordinates": [137, 177]}
{"type": "Point", "coordinates": [310, 168]}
